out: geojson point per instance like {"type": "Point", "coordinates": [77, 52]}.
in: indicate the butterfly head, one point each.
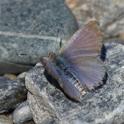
{"type": "Point", "coordinates": [44, 61]}
{"type": "Point", "coordinates": [47, 61]}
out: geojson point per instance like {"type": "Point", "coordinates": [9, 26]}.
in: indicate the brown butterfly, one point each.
{"type": "Point", "coordinates": [78, 67]}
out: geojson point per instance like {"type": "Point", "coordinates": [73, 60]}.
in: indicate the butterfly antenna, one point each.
{"type": "Point", "coordinates": [60, 39]}
{"type": "Point", "coordinates": [60, 43]}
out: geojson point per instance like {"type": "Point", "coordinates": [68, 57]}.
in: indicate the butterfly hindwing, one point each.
{"type": "Point", "coordinates": [90, 72]}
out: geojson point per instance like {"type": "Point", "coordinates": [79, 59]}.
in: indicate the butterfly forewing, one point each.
{"type": "Point", "coordinates": [85, 42]}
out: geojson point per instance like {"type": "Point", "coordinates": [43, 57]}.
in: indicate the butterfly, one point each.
{"type": "Point", "coordinates": [78, 67]}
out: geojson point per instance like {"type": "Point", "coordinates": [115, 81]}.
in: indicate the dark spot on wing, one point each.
{"type": "Point", "coordinates": [103, 53]}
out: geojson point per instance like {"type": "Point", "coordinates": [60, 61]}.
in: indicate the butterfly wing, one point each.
{"type": "Point", "coordinates": [90, 72]}
{"type": "Point", "coordinates": [85, 42]}
{"type": "Point", "coordinates": [82, 52]}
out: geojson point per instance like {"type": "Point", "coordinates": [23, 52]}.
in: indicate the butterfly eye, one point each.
{"type": "Point", "coordinates": [51, 55]}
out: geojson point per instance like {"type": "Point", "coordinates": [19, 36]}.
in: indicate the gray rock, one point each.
{"type": "Point", "coordinates": [5, 119]}
{"type": "Point", "coordinates": [33, 84]}
{"type": "Point", "coordinates": [109, 14]}
{"type": "Point", "coordinates": [103, 106]}
{"type": "Point", "coordinates": [8, 67]}
{"type": "Point", "coordinates": [29, 29]}
{"type": "Point", "coordinates": [12, 92]}
{"type": "Point", "coordinates": [22, 113]}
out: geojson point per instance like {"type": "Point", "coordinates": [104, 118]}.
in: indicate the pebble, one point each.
{"type": "Point", "coordinates": [5, 119]}
{"type": "Point", "coordinates": [12, 92]}
{"type": "Point", "coordinates": [10, 76]}
{"type": "Point", "coordinates": [22, 113]}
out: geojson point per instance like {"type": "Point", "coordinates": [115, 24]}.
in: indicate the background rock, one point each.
{"type": "Point", "coordinates": [109, 14]}
{"type": "Point", "coordinates": [103, 106]}
{"type": "Point", "coordinates": [29, 29]}
{"type": "Point", "coordinates": [12, 92]}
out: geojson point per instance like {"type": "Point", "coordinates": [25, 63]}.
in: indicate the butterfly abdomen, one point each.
{"type": "Point", "coordinates": [74, 80]}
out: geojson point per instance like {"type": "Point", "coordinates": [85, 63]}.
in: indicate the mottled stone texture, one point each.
{"type": "Point", "coordinates": [31, 28]}
{"type": "Point", "coordinates": [39, 107]}
{"type": "Point", "coordinates": [22, 113]}
{"type": "Point", "coordinates": [12, 92]}
{"type": "Point", "coordinates": [103, 106]}
{"type": "Point", "coordinates": [48, 18]}
{"type": "Point", "coordinates": [110, 14]}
